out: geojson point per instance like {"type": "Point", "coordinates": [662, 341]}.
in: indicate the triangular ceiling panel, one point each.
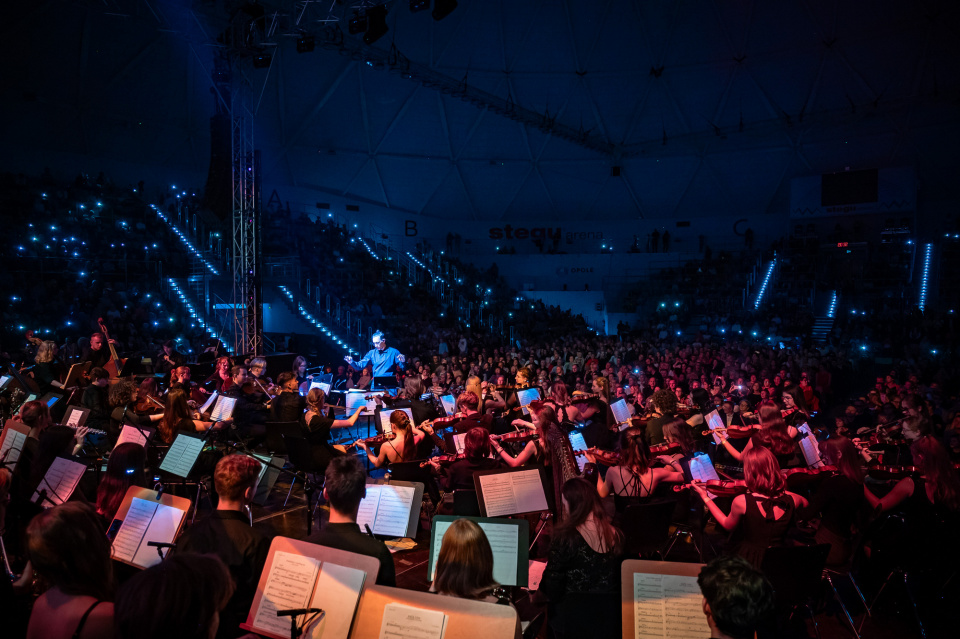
{"type": "Point", "coordinates": [419, 123]}
{"type": "Point", "coordinates": [492, 184]}
{"type": "Point", "coordinates": [409, 182]}
{"type": "Point", "coordinates": [532, 200]}
{"type": "Point", "coordinates": [614, 198]}
{"type": "Point", "coordinates": [660, 181]}
{"type": "Point", "coordinates": [450, 199]}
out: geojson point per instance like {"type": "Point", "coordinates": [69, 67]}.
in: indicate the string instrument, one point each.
{"type": "Point", "coordinates": [377, 439]}
{"type": "Point", "coordinates": [578, 398]}
{"type": "Point", "coordinates": [735, 432]}
{"type": "Point", "coordinates": [147, 405]}
{"type": "Point", "coordinates": [446, 420]}
{"type": "Point", "coordinates": [519, 437]}
{"type": "Point", "coordinates": [607, 457]}
{"type": "Point", "coordinates": [253, 385]}
{"type": "Point", "coordinates": [809, 471]}
{"type": "Point", "coordinates": [889, 471]}
{"type": "Point", "coordinates": [114, 365]}
{"type": "Point", "coordinates": [36, 341]}
{"type": "Point", "coordinates": [719, 487]}
{"type": "Point", "coordinates": [198, 394]}
{"type": "Point", "coordinates": [444, 460]}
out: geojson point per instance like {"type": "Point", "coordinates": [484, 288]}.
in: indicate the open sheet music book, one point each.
{"type": "Point", "coordinates": [621, 412]}
{"type": "Point", "coordinates": [387, 507]}
{"type": "Point", "coordinates": [11, 443]}
{"type": "Point", "coordinates": [60, 481]}
{"type": "Point", "coordinates": [132, 435]}
{"type": "Point", "coordinates": [701, 469]}
{"type": "Point", "coordinates": [714, 421]}
{"type": "Point", "coordinates": [223, 409]}
{"type": "Point", "coordinates": [147, 520]}
{"type": "Point", "coordinates": [662, 599]}
{"type": "Point", "coordinates": [512, 492]}
{"type": "Point", "coordinates": [295, 579]}
{"type": "Point", "coordinates": [207, 404]}
{"type": "Point", "coordinates": [509, 539]}
{"type": "Point", "coordinates": [810, 447]}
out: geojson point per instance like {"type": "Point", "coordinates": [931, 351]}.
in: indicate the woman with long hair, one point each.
{"type": "Point", "coordinates": [634, 476]}
{"type": "Point", "coordinates": [761, 517]}
{"type": "Point", "coordinates": [47, 369]}
{"type": "Point", "coordinates": [220, 379]}
{"type": "Point", "coordinates": [839, 499]}
{"type": "Point", "coordinates": [68, 552]}
{"type": "Point", "coordinates": [582, 577]}
{"type": "Point", "coordinates": [937, 488]}
{"type": "Point", "coordinates": [465, 564]}
{"type": "Point", "coordinates": [403, 447]}
{"type": "Point", "coordinates": [123, 399]}
{"type": "Point", "coordinates": [124, 469]}
{"type": "Point", "coordinates": [317, 426]}
{"type": "Point", "coordinates": [538, 449]}
{"type": "Point", "coordinates": [476, 457]}
{"type": "Point", "coordinates": [795, 410]}
{"type": "Point", "coordinates": [178, 417]}
{"type": "Point", "coordinates": [774, 434]}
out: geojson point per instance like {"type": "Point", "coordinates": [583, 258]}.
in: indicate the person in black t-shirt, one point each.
{"type": "Point", "coordinates": [229, 534]}
{"type": "Point", "coordinates": [476, 457]}
{"type": "Point", "coordinates": [344, 487]}
{"type": "Point", "coordinates": [289, 405]}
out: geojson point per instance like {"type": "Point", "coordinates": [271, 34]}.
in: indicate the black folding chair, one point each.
{"type": "Point", "coordinates": [300, 454]}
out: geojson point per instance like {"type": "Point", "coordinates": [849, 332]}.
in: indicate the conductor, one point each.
{"type": "Point", "coordinates": [383, 358]}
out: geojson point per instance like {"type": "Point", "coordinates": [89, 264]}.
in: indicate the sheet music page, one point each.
{"type": "Point", "coordinates": [207, 404]}
{"type": "Point", "coordinates": [810, 447]}
{"type": "Point", "coordinates": [668, 606]}
{"type": "Point", "coordinates": [683, 608]}
{"type": "Point", "coordinates": [407, 622]}
{"type": "Point", "coordinates": [459, 442]}
{"type": "Point", "coordinates": [504, 542]}
{"type": "Point", "coordinates": [714, 421]}
{"type": "Point", "coordinates": [529, 491]}
{"type": "Point", "coordinates": [289, 585]}
{"type": "Point", "coordinates": [163, 528]}
{"type": "Point", "coordinates": [12, 447]}
{"type": "Point", "coordinates": [367, 514]}
{"type": "Point", "coordinates": [393, 513]}
{"type": "Point", "coordinates": [130, 435]}
{"type": "Point", "coordinates": [73, 418]}
{"type": "Point", "coordinates": [182, 455]}
{"type": "Point", "coordinates": [535, 574]}
{"type": "Point", "coordinates": [498, 497]}
{"type": "Point", "coordinates": [337, 593]}
{"type": "Point", "coordinates": [701, 468]}
{"type": "Point", "coordinates": [577, 442]}
{"type": "Point", "coordinates": [60, 481]}
{"type": "Point", "coordinates": [621, 412]}
{"type": "Point", "coordinates": [449, 404]}
{"type": "Point", "coordinates": [131, 532]}
{"type": "Point", "coordinates": [224, 409]}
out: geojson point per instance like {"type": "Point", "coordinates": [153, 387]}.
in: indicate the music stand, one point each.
{"type": "Point", "coordinates": [26, 383]}
{"type": "Point", "coordinates": [511, 491]}
{"type": "Point", "coordinates": [385, 383]}
{"type": "Point", "coordinates": [499, 532]}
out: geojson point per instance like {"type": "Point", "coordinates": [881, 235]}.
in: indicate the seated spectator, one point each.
{"type": "Point", "coordinates": [68, 550]}
{"type": "Point", "coordinates": [180, 597]}
{"type": "Point", "coordinates": [344, 487]}
{"type": "Point", "coordinates": [228, 534]}
{"type": "Point", "coordinates": [737, 598]}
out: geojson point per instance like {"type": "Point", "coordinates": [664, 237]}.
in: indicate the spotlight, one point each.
{"type": "Point", "coordinates": [305, 44]}
{"type": "Point", "coordinates": [376, 24]}
{"type": "Point", "coordinates": [419, 5]}
{"type": "Point", "coordinates": [443, 8]}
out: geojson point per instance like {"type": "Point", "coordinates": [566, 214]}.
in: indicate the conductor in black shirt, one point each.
{"type": "Point", "coordinates": [344, 487]}
{"type": "Point", "coordinates": [228, 533]}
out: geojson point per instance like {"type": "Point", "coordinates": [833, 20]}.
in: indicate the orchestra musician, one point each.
{"type": "Point", "coordinates": [47, 370]}
{"type": "Point", "coordinates": [299, 370]}
{"type": "Point", "coordinates": [169, 358]}
{"type": "Point", "coordinates": [635, 476]}
{"type": "Point", "coordinates": [402, 448]}
{"type": "Point", "coordinates": [95, 397]}
{"type": "Point", "coordinates": [221, 379]}
{"type": "Point", "coordinates": [664, 404]}
{"type": "Point", "coordinates": [258, 369]}
{"type": "Point", "coordinates": [476, 457]}
{"type": "Point", "coordinates": [383, 358]}
{"type": "Point", "coordinates": [795, 410]}
{"type": "Point", "coordinates": [250, 418]}
{"type": "Point", "coordinates": [935, 489]}
{"type": "Point", "coordinates": [761, 516]}
{"type": "Point", "coordinates": [97, 355]}
{"type": "Point", "coordinates": [317, 426]}
{"type": "Point", "coordinates": [289, 404]}
{"type": "Point", "coordinates": [773, 434]}
{"type": "Point", "coordinates": [122, 398]}
{"type": "Point", "coordinates": [178, 418]}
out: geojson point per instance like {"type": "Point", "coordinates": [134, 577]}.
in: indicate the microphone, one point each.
{"type": "Point", "coordinates": [293, 612]}
{"type": "Point", "coordinates": [369, 532]}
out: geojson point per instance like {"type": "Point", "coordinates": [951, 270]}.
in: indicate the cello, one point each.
{"type": "Point", "coordinates": [114, 365]}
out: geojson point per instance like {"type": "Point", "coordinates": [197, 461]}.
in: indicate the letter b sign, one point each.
{"type": "Point", "coordinates": [410, 228]}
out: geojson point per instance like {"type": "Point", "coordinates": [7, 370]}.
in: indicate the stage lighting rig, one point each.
{"type": "Point", "coordinates": [376, 23]}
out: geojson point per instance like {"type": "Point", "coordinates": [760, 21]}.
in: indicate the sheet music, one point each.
{"type": "Point", "coordinates": [289, 585]}
{"type": "Point", "coordinates": [337, 593]}
{"type": "Point", "coordinates": [135, 524]}
{"type": "Point", "coordinates": [810, 447]}
{"type": "Point", "coordinates": [513, 493]}
{"type": "Point", "coordinates": [4, 380]}
{"type": "Point", "coordinates": [407, 622]}
{"type": "Point", "coordinates": [386, 509]}
{"type": "Point", "coordinates": [621, 412]}
{"type": "Point", "coordinates": [385, 424]}
{"type": "Point", "coordinates": [146, 521]}
{"type": "Point", "coordinates": [130, 435]}
{"type": "Point", "coordinates": [224, 409]}
{"type": "Point", "coordinates": [701, 468]}
{"type": "Point", "coordinates": [12, 447]}
{"type": "Point", "coordinates": [60, 481]}
{"type": "Point", "coordinates": [73, 418]}
{"type": "Point", "coordinates": [577, 442]}
{"type": "Point", "coordinates": [449, 404]}
{"type": "Point", "coordinates": [367, 514]}
{"type": "Point", "coordinates": [714, 421]}
{"type": "Point", "coordinates": [504, 542]}
{"type": "Point", "coordinates": [535, 574]}
{"type": "Point", "coordinates": [459, 442]}
{"type": "Point", "coordinates": [527, 395]}
{"type": "Point", "coordinates": [182, 455]}
{"type": "Point", "coordinates": [668, 606]}
{"type": "Point", "coordinates": [206, 405]}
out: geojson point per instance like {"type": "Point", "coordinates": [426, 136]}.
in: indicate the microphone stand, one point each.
{"type": "Point", "coordinates": [296, 631]}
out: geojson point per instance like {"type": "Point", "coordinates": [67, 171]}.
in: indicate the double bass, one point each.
{"type": "Point", "coordinates": [114, 365]}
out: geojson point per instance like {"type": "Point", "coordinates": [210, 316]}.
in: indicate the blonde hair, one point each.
{"type": "Point", "coordinates": [46, 352]}
{"type": "Point", "coordinates": [465, 562]}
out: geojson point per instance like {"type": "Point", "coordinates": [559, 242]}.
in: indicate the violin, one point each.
{"type": "Point", "coordinates": [809, 471]}
{"type": "Point", "coordinates": [378, 439]}
{"type": "Point", "coordinates": [578, 398]}
{"type": "Point", "coordinates": [735, 432]}
{"type": "Point", "coordinates": [608, 457]}
{"type": "Point", "coordinates": [148, 405]}
{"type": "Point", "coordinates": [516, 438]}
{"type": "Point", "coordinates": [661, 449]}
{"type": "Point", "coordinates": [447, 419]}
{"type": "Point", "coordinates": [444, 460]}
{"type": "Point", "coordinates": [719, 487]}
